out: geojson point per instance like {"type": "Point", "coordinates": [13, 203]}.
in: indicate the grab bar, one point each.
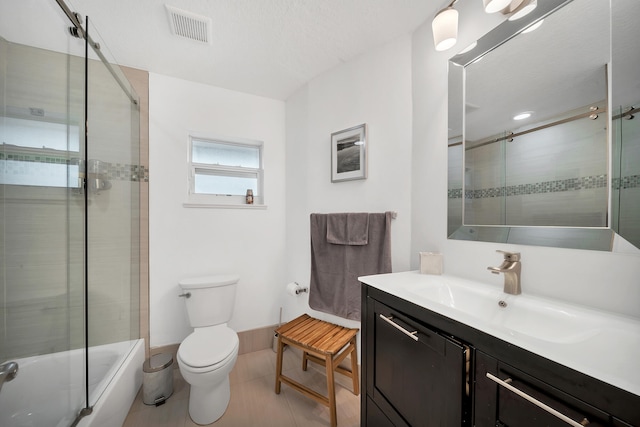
{"type": "Point", "coordinates": [536, 402]}
{"type": "Point", "coordinates": [8, 372]}
{"type": "Point", "coordinates": [389, 320]}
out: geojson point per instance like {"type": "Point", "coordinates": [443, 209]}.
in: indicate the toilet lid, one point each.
{"type": "Point", "coordinates": [208, 347]}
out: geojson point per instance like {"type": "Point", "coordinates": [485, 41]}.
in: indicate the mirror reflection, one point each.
{"type": "Point", "coordinates": [625, 209]}
{"type": "Point", "coordinates": [549, 169]}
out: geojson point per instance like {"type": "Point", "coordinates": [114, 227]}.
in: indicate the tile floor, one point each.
{"type": "Point", "coordinates": [253, 399]}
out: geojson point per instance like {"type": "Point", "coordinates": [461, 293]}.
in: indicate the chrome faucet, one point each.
{"type": "Point", "coordinates": [8, 371]}
{"type": "Point", "coordinates": [511, 268]}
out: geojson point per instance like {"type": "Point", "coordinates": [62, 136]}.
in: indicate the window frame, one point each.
{"type": "Point", "coordinates": [223, 200]}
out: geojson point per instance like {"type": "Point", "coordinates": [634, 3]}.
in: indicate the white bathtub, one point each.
{"type": "Point", "coordinates": [47, 386]}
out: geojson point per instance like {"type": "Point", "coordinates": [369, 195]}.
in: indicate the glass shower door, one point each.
{"type": "Point", "coordinates": [113, 229]}
{"type": "Point", "coordinates": [41, 215]}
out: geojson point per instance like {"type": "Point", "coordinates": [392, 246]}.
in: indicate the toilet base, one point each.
{"type": "Point", "coordinates": [208, 404]}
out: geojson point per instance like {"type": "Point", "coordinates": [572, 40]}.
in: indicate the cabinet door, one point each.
{"type": "Point", "coordinates": [510, 397]}
{"type": "Point", "coordinates": [418, 372]}
{"type": "Point", "coordinates": [375, 416]}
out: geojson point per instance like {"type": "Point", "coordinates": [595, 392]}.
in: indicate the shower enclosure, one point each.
{"type": "Point", "coordinates": [69, 215]}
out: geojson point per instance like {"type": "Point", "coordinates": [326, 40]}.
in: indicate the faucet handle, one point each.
{"type": "Point", "coordinates": [510, 256]}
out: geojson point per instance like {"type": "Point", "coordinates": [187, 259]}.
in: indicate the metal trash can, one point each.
{"type": "Point", "coordinates": [157, 379]}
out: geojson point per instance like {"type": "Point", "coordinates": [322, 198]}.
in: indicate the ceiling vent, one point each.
{"type": "Point", "coordinates": [189, 25]}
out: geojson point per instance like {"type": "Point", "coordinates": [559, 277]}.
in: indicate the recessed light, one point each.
{"type": "Point", "coordinates": [523, 115]}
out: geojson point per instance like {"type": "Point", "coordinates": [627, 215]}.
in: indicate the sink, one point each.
{"type": "Point", "coordinates": [549, 321]}
{"type": "Point", "coordinates": [515, 315]}
{"type": "Point", "coordinates": [601, 344]}
{"type": "Point", "coordinates": [459, 295]}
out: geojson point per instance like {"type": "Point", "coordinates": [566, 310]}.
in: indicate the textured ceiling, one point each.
{"type": "Point", "coordinates": [263, 47]}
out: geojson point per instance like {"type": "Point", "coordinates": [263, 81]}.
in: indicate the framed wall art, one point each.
{"type": "Point", "coordinates": [349, 154]}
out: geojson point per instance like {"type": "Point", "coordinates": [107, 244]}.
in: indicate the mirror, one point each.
{"type": "Point", "coordinates": [543, 180]}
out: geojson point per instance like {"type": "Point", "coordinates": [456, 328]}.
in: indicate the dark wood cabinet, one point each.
{"type": "Point", "coordinates": [423, 369]}
{"type": "Point", "coordinates": [417, 371]}
{"type": "Point", "coordinates": [507, 396]}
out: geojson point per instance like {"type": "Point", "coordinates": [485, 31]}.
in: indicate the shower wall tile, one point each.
{"type": "Point", "coordinates": [539, 179]}
{"type": "Point", "coordinates": [37, 327]}
{"type": "Point", "coordinates": [630, 215]}
{"type": "Point", "coordinates": [454, 213]}
{"type": "Point", "coordinates": [559, 209]}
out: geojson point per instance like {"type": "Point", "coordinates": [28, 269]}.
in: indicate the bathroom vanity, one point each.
{"type": "Point", "coordinates": [444, 351]}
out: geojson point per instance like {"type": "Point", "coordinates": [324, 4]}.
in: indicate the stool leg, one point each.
{"type": "Point", "coordinates": [331, 387]}
{"type": "Point", "coordinates": [279, 364]}
{"type": "Point", "coordinates": [304, 360]}
{"type": "Point", "coordinates": [354, 367]}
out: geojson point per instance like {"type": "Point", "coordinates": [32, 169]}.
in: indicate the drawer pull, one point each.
{"type": "Point", "coordinates": [536, 402]}
{"type": "Point", "coordinates": [413, 335]}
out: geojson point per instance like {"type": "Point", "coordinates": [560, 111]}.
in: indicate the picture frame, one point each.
{"type": "Point", "coordinates": [349, 154]}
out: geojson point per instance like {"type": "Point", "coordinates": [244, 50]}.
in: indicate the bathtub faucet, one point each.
{"type": "Point", "coordinates": [8, 371]}
{"type": "Point", "coordinates": [511, 268]}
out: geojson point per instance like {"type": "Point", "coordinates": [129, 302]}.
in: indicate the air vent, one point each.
{"type": "Point", "coordinates": [189, 25]}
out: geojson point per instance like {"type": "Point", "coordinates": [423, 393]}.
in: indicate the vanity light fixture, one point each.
{"type": "Point", "coordinates": [493, 6]}
{"type": "Point", "coordinates": [445, 28]}
{"type": "Point", "coordinates": [523, 115]}
{"type": "Point", "coordinates": [521, 10]}
{"type": "Point", "coordinates": [445, 23]}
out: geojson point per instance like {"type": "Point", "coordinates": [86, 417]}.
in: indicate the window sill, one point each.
{"type": "Point", "coordinates": [222, 206]}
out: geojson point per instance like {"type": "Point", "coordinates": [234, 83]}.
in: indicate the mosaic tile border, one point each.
{"type": "Point", "coordinates": [631, 181]}
{"type": "Point", "coordinates": [112, 171]}
{"type": "Point", "coordinates": [571, 184]}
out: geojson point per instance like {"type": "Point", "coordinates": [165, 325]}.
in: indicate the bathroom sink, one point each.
{"type": "Point", "coordinates": [601, 344]}
{"type": "Point", "coordinates": [459, 295]}
{"type": "Point", "coordinates": [548, 321]}
{"type": "Point", "coordinates": [518, 316]}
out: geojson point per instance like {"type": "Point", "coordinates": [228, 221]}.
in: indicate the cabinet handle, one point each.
{"type": "Point", "coordinates": [413, 335]}
{"type": "Point", "coordinates": [536, 402]}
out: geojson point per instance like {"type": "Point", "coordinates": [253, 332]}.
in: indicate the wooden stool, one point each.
{"type": "Point", "coordinates": [321, 342]}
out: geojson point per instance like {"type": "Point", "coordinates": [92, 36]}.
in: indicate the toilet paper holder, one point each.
{"type": "Point", "coordinates": [295, 287]}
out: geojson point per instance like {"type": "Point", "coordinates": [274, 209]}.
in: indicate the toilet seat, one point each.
{"type": "Point", "coordinates": [209, 348]}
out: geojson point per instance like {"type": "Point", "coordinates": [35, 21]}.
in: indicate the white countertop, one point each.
{"type": "Point", "coordinates": [601, 344]}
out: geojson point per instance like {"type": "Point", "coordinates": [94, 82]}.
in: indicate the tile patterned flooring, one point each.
{"type": "Point", "coordinates": [253, 399]}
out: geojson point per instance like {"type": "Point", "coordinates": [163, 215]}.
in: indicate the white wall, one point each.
{"type": "Point", "coordinates": [400, 91]}
{"type": "Point", "coordinates": [374, 88]}
{"type": "Point", "coordinates": [599, 279]}
{"type": "Point", "coordinates": [189, 242]}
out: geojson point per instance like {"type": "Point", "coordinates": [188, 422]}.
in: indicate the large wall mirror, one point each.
{"type": "Point", "coordinates": [544, 148]}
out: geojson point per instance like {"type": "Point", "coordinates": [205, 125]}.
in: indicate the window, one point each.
{"type": "Point", "coordinates": [221, 171]}
{"type": "Point", "coordinates": [39, 153]}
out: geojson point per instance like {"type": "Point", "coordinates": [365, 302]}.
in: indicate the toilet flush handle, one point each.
{"type": "Point", "coordinates": [185, 295]}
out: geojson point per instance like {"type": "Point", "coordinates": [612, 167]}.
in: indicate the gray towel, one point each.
{"type": "Point", "coordinates": [334, 286]}
{"type": "Point", "coordinates": [348, 228]}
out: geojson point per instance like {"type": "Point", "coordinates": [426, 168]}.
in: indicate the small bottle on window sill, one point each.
{"type": "Point", "coordinates": [249, 197]}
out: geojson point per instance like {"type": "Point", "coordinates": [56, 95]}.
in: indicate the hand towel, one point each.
{"type": "Point", "coordinates": [348, 228]}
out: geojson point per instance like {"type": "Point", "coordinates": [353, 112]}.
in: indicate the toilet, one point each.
{"type": "Point", "coordinates": [206, 357]}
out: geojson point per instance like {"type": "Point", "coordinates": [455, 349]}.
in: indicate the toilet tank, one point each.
{"type": "Point", "coordinates": [212, 299]}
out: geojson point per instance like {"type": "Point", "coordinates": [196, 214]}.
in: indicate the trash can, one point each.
{"type": "Point", "coordinates": [157, 379]}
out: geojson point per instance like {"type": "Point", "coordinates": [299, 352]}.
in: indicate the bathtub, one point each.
{"type": "Point", "coordinates": [47, 386]}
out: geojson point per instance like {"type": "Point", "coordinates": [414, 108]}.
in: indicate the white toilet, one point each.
{"type": "Point", "coordinates": [207, 355]}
